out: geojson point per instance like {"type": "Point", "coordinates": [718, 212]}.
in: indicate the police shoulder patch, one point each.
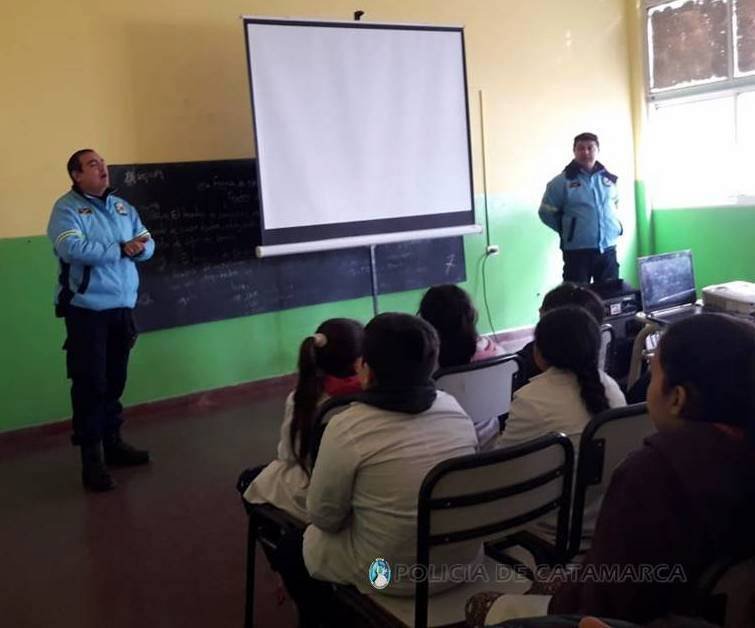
{"type": "Point", "coordinates": [85, 211]}
{"type": "Point", "coordinates": [121, 209]}
{"type": "Point", "coordinates": [607, 181]}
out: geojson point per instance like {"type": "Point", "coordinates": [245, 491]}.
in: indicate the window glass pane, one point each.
{"type": "Point", "coordinates": [692, 150]}
{"type": "Point", "coordinates": [745, 161]}
{"type": "Point", "coordinates": [744, 33]}
{"type": "Point", "coordinates": [687, 43]}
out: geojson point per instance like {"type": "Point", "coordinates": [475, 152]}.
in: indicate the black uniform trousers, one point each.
{"type": "Point", "coordinates": [581, 265]}
{"type": "Point", "coordinates": [97, 351]}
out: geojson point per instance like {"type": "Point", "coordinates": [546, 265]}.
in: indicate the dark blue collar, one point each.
{"type": "Point", "coordinates": [103, 198]}
{"type": "Point", "coordinates": [573, 169]}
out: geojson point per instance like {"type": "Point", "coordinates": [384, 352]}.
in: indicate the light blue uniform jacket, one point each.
{"type": "Point", "coordinates": [581, 208]}
{"type": "Point", "coordinates": [87, 233]}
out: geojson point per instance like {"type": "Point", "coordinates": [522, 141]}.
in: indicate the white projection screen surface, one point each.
{"type": "Point", "coordinates": [361, 129]}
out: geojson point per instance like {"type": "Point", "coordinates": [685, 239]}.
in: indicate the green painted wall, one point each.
{"type": "Point", "coordinates": [33, 388]}
{"type": "Point", "coordinates": [645, 234]}
{"type": "Point", "coordinates": [722, 240]}
{"type": "Point", "coordinates": [518, 137]}
{"type": "Point", "coordinates": [169, 363]}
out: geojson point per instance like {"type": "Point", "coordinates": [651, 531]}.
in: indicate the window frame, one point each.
{"type": "Point", "coordinates": [731, 87]}
{"type": "Point", "coordinates": [731, 83]}
{"type": "Point", "coordinates": [742, 198]}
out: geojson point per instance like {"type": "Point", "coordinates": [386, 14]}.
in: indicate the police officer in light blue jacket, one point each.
{"type": "Point", "coordinates": [98, 239]}
{"type": "Point", "coordinates": [580, 205]}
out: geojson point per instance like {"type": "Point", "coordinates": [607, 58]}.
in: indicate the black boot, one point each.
{"type": "Point", "coordinates": [94, 475]}
{"type": "Point", "coordinates": [120, 454]}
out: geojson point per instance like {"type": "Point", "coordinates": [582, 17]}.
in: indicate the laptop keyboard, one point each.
{"type": "Point", "coordinates": [673, 317]}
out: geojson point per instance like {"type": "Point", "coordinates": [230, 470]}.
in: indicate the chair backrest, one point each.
{"type": "Point", "coordinates": [606, 338]}
{"type": "Point", "coordinates": [483, 389]}
{"type": "Point", "coordinates": [725, 592]}
{"type": "Point", "coordinates": [736, 588]}
{"type": "Point", "coordinates": [488, 495]}
{"type": "Point", "coordinates": [325, 412]}
{"type": "Point", "coordinates": [604, 444]}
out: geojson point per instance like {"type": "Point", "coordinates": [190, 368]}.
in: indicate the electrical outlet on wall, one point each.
{"type": "Point", "coordinates": [493, 249]}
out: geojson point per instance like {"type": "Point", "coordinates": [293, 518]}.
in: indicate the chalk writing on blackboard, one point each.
{"type": "Point", "coordinates": [205, 221]}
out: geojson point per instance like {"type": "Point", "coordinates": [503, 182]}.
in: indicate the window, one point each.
{"type": "Point", "coordinates": [744, 33]}
{"type": "Point", "coordinates": [699, 45]}
{"type": "Point", "coordinates": [692, 147]}
{"type": "Point", "coordinates": [701, 93]}
{"type": "Point", "coordinates": [687, 43]}
{"type": "Point", "coordinates": [745, 148]}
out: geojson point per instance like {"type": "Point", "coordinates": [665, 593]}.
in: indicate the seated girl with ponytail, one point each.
{"type": "Point", "coordinates": [680, 508]}
{"type": "Point", "coordinates": [327, 363]}
{"type": "Point", "coordinates": [375, 455]}
{"type": "Point", "coordinates": [373, 459]}
{"type": "Point", "coordinates": [570, 391]}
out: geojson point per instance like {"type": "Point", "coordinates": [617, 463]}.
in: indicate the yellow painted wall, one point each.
{"type": "Point", "coordinates": [152, 80]}
{"type": "Point", "coordinates": [157, 81]}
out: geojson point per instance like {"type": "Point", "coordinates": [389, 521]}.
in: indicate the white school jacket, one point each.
{"type": "Point", "coordinates": [283, 482]}
{"type": "Point", "coordinates": [551, 402]}
{"type": "Point", "coordinates": [362, 498]}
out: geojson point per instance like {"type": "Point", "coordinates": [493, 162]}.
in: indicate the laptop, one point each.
{"type": "Point", "coordinates": [667, 287]}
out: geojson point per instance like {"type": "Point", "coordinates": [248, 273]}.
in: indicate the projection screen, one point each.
{"type": "Point", "coordinates": [361, 131]}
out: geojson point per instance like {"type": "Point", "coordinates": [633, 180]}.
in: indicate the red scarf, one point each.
{"type": "Point", "coordinates": [732, 431]}
{"type": "Point", "coordinates": [337, 386]}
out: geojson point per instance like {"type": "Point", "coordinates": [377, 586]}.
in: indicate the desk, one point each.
{"type": "Point", "coordinates": [640, 351]}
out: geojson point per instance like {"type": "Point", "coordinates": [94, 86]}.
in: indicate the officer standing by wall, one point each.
{"type": "Point", "coordinates": [580, 205]}
{"type": "Point", "coordinates": [98, 239]}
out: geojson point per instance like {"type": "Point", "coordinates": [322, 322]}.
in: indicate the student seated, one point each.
{"type": "Point", "coordinates": [569, 392]}
{"type": "Point", "coordinates": [565, 294]}
{"type": "Point", "coordinates": [687, 498]}
{"type": "Point", "coordinates": [327, 362]}
{"type": "Point", "coordinates": [374, 456]}
{"type": "Point", "coordinates": [450, 311]}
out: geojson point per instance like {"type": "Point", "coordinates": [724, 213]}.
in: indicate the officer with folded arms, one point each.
{"type": "Point", "coordinates": [98, 239]}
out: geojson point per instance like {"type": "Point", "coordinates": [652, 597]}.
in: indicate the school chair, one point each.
{"type": "Point", "coordinates": [483, 389]}
{"type": "Point", "coordinates": [266, 524]}
{"type": "Point", "coordinates": [726, 592]}
{"type": "Point", "coordinates": [606, 339]}
{"type": "Point", "coordinates": [604, 444]}
{"type": "Point", "coordinates": [725, 597]}
{"type": "Point", "coordinates": [325, 412]}
{"type": "Point", "coordinates": [477, 497]}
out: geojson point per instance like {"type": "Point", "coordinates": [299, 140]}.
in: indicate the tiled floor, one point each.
{"type": "Point", "coordinates": [165, 549]}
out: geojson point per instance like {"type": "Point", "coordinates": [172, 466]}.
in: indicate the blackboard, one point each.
{"type": "Point", "coordinates": [204, 217]}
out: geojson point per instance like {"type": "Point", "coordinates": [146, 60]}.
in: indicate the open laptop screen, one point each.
{"type": "Point", "coordinates": [666, 280]}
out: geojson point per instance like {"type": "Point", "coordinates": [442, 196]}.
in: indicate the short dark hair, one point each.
{"type": "Point", "coordinates": [569, 293]}
{"type": "Point", "coordinates": [449, 309]}
{"type": "Point", "coordinates": [74, 161]}
{"type": "Point", "coordinates": [586, 137]}
{"type": "Point", "coordinates": [712, 356]}
{"type": "Point", "coordinates": [401, 349]}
